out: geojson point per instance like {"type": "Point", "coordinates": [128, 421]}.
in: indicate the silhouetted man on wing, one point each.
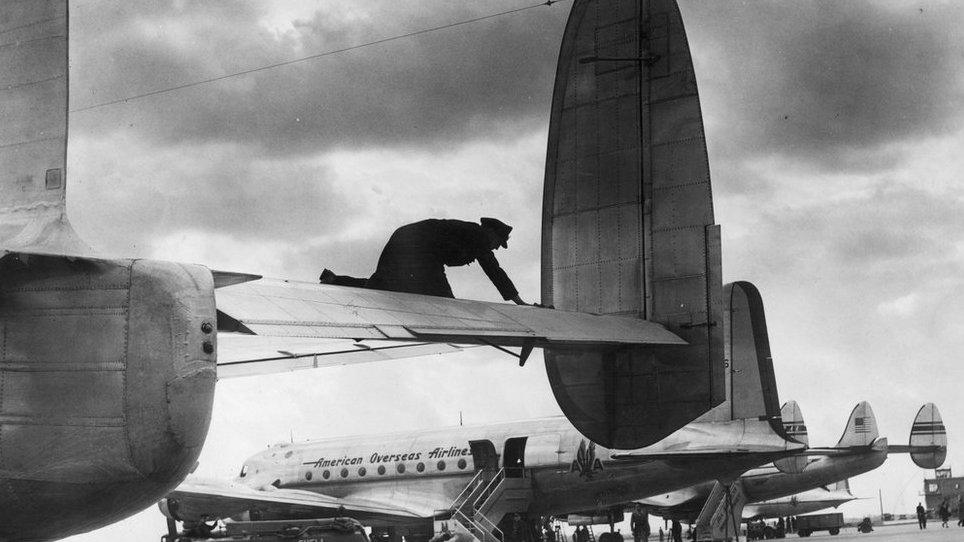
{"type": "Point", "coordinates": [415, 257]}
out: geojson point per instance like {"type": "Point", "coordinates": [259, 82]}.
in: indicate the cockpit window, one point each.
{"type": "Point", "coordinates": [244, 471]}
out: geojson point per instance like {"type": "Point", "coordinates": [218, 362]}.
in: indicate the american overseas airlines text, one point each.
{"type": "Point", "coordinates": [377, 457]}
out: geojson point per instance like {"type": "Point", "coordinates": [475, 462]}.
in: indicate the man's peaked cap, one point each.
{"type": "Point", "coordinates": [500, 228]}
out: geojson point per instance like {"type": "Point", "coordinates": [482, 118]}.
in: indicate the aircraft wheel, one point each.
{"type": "Point", "coordinates": [607, 537]}
{"type": "Point", "coordinates": [835, 531]}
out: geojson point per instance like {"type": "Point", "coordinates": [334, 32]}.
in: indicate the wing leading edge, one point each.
{"type": "Point", "coordinates": [280, 308]}
{"type": "Point", "coordinates": [205, 500]}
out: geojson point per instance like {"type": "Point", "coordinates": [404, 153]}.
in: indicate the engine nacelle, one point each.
{"type": "Point", "coordinates": [107, 375]}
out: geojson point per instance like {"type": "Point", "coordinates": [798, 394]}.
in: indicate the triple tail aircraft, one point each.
{"type": "Point", "coordinates": [132, 348]}
{"type": "Point", "coordinates": [475, 478]}
{"type": "Point", "coordinates": [768, 490]}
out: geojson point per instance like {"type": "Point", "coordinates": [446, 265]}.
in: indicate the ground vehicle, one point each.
{"type": "Point", "coordinates": [310, 530]}
{"type": "Point", "coordinates": [819, 522]}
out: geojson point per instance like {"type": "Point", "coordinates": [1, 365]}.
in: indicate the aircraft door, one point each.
{"type": "Point", "coordinates": [483, 455]}
{"type": "Point", "coordinates": [513, 457]}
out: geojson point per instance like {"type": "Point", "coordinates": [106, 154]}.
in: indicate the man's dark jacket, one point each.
{"type": "Point", "coordinates": [415, 257]}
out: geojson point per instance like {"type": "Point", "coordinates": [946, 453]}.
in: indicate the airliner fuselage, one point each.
{"type": "Point", "coordinates": [426, 471]}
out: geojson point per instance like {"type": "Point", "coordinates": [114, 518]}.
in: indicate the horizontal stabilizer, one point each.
{"type": "Point", "coordinates": [716, 440]}
{"type": "Point", "coordinates": [248, 355]}
{"type": "Point", "coordinates": [705, 454]}
{"type": "Point", "coordinates": [878, 445]}
{"type": "Point", "coordinates": [861, 427]}
{"type": "Point", "coordinates": [280, 308]}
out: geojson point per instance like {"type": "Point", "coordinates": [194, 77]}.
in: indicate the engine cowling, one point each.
{"type": "Point", "coordinates": [107, 375]}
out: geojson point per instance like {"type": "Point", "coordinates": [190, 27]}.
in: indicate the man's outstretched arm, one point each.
{"type": "Point", "coordinates": [499, 278]}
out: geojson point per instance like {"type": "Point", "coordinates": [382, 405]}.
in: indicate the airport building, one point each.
{"type": "Point", "coordinates": [942, 486]}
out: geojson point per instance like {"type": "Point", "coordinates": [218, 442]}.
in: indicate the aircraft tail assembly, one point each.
{"type": "Point", "coordinates": [750, 384]}
{"type": "Point", "coordinates": [628, 222]}
{"type": "Point", "coordinates": [793, 423]}
{"type": "Point", "coordinates": [842, 485]}
{"type": "Point", "coordinates": [794, 428]}
{"type": "Point", "coordinates": [861, 430]}
{"type": "Point", "coordinates": [928, 439]}
{"type": "Point", "coordinates": [108, 367]}
{"type": "Point", "coordinates": [33, 134]}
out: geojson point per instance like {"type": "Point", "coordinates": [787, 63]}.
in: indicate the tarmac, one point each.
{"type": "Point", "coordinates": [895, 533]}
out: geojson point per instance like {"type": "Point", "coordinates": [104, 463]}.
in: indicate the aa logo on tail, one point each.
{"type": "Point", "coordinates": [586, 461]}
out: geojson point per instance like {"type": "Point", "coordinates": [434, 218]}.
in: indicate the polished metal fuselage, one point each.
{"type": "Point", "coordinates": [567, 472]}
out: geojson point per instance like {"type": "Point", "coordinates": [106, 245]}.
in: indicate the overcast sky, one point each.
{"type": "Point", "coordinates": [834, 132]}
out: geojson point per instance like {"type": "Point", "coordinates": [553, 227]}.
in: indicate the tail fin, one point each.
{"type": "Point", "coordinates": [751, 389]}
{"type": "Point", "coordinates": [33, 134]}
{"type": "Point", "coordinates": [928, 431]}
{"type": "Point", "coordinates": [794, 428]}
{"type": "Point", "coordinates": [861, 427]}
{"type": "Point", "coordinates": [627, 224]}
{"type": "Point", "coordinates": [843, 485]}
{"type": "Point", "coordinates": [793, 424]}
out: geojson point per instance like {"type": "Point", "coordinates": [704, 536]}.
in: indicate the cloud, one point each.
{"type": "Point", "coordinates": [124, 194]}
{"type": "Point", "coordinates": [291, 217]}
{"type": "Point", "coordinates": [831, 84]}
{"type": "Point", "coordinates": [419, 92]}
{"type": "Point", "coordinates": [902, 306]}
{"type": "Point", "coordinates": [834, 137]}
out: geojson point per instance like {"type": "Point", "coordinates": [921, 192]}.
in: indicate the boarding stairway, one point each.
{"type": "Point", "coordinates": [722, 514]}
{"type": "Point", "coordinates": [486, 499]}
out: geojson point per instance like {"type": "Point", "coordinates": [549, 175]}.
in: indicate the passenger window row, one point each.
{"type": "Point", "coordinates": [399, 468]}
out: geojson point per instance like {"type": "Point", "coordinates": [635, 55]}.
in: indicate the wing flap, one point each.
{"type": "Point", "coordinates": [249, 355]}
{"type": "Point", "coordinates": [279, 308]}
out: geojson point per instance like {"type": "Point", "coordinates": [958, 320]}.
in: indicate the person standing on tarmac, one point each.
{"type": "Point", "coordinates": [677, 531]}
{"type": "Point", "coordinates": [639, 524]}
{"type": "Point", "coordinates": [921, 517]}
{"type": "Point", "coordinates": [415, 257]}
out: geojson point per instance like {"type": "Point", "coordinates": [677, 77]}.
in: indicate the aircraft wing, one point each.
{"type": "Point", "coordinates": [279, 308]}
{"type": "Point", "coordinates": [206, 500]}
{"type": "Point", "coordinates": [248, 355]}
